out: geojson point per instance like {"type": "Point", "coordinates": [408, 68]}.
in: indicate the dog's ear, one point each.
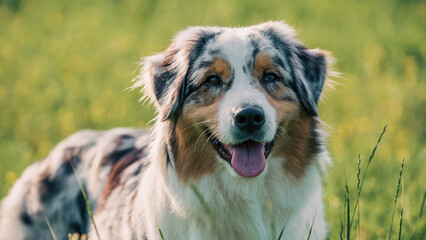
{"type": "Point", "coordinates": [165, 76]}
{"type": "Point", "coordinates": [310, 80]}
{"type": "Point", "coordinates": [162, 78]}
{"type": "Point", "coordinates": [308, 67]}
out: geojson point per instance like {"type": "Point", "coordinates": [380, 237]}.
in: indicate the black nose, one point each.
{"type": "Point", "coordinates": [249, 119]}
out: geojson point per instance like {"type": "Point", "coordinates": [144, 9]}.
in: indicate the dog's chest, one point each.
{"type": "Point", "coordinates": [251, 221]}
{"type": "Point", "coordinates": [234, 210]}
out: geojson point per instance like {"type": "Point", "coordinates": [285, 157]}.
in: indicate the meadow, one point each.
{"type": "Point", "coordinates": [65, 66]}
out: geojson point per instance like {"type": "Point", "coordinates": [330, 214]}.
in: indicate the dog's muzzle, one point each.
{"type": "Point", "coordinates": [247, 156]}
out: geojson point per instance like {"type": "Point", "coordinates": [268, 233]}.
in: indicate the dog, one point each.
{"type": "Point", "coordinates": [237, 150]}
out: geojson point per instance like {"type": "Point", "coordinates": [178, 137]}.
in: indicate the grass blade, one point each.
{"type": "Point", "coordinates": [161, 233]}
{"type": "Point", "coordinates": [358, 176]}
{"type": "Point", "coordinates": [50, 228]}
{"type": "Point", "coordinates": [159, 229]}
{"type": "Point", "coordinates": [285, 224]}
{"type": "Point", "coordinates": [423, 204]}
{"type": "Point", "coordinates": [312, 226]}
{"type": "Point", "coordinates": [348, 211]}
{"type": "Point", "coordinates": [396, 197]}
{"type": "Point", "coordinates": [86, 200]}
{"type": "Point", "coordinates": [342, 226]}
{"type": "Point", "coordinates": [402, 209]}
{"type": "Point", "coordinates": [400, 223]}
{"type": "Point", "coordinates": [365, 172]}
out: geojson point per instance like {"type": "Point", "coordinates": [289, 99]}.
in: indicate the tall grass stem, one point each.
{"type": "Point", "coordinates": [312, 225]}
{"type": "Point", "coordinates": [365, 172]}
{"type": "Point", "coordinates": [396, 198]}
{"type": "Point", "coordinates": [358, 176]}
{"type": "Point", "coordinates": [348, 212]}
{"type": "Point", "coordinates": [50, 228]}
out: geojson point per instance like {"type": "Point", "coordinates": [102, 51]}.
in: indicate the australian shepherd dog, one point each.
{"type": "Point", "coordinates": [236, 151]}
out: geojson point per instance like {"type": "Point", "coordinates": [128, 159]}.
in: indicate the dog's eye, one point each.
{"type": "Point", "coordinates": [270, 77]}
{"type": "Point", "coordinates": [213, 80]}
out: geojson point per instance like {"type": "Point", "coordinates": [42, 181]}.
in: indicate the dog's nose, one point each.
{"type": "Point", "coordinates": [249, 119]}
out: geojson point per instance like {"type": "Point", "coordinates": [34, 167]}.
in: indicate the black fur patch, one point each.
{"type": "Point", "coordinates": [278, 62]}
{"type": "Point", "coordinates": [289, 98]}
{"type": "Point", "coordinates": [170, 148]}
{"type": "Point", "coordinates": [199, 48]}
{"type": "Point", "coordinates": [305, 96]}
{"type": "Point", "coordinates": [82, 225]}
{"type": "Point", "coordinates": [49, 186]}
{"type": "Point", "coordinates": [315, 69]}
{"type": "Point", "coordinates": [245, 69]}
{"type": "Point", "coordinates": [256, 49]}
{"type": "Point", "coordinates": [115, 156]}
{"type": "Point", "coordinates": [315, 143]}
{"type": "Point", "coordinates": [25, 218]}
{"type": "Point", "coordinates": [280, 45]}
{"type": "Point", "coordinates": [309, 86]}
{"type": "Point", "coordinates": [214, 52]}
{"type": "Point", "coordinates": [205, 64]}
{"type": "Point", "coordinates": [165, 75]}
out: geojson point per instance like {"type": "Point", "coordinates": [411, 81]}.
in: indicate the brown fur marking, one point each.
{"type": "Point", "coordinates": [293, 141]}
{"type": "Point", "coordinates": [115, 174]}
{"type": "Point", "coordinates": [293, 145]}
{"type": "Point", "coordinates": [262, 63]}
{"type": "Point", "coordinates": [222, 68]}
{"type": "Point", "coordinates": [194, 154]}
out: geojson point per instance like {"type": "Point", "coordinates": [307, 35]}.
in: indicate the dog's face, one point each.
{"type": "Point", "coordinates": [237, 96]}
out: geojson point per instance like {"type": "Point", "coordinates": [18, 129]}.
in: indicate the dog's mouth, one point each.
{"type": "Point", "coordinates": [248, 158]}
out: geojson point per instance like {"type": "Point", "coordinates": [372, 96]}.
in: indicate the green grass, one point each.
{"type": "Point", "coordinates": [64, 66]}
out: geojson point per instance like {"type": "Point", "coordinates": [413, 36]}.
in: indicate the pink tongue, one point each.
{"type": "Point", "coordinates": [248, 158]}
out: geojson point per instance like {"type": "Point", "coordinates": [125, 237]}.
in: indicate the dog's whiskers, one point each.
{"type": "Point", "coordinates": [209, 137]}
{"type": "Point", "coordinates": [199, 138]}
{"type": "Point", "coordinates": [199, 123]}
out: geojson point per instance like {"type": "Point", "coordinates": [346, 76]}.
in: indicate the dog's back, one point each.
{"type": "Point", "coordinates": [49, 190]}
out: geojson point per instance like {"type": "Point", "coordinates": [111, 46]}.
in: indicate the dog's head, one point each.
{"type": "Point", "coordinates": [237, 97]}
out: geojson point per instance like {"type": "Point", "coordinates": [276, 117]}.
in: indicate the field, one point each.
{"type": "Point", "coordinates": [65, 65]}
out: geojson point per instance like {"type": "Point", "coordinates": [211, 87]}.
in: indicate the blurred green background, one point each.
{"type": "Point", "coordinates": [65, 65]}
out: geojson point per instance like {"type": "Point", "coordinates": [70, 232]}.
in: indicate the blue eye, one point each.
{"type": "Point", "coordinates": [213, 80]}
{"type": "Point", "coordinates": [270, 77]}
